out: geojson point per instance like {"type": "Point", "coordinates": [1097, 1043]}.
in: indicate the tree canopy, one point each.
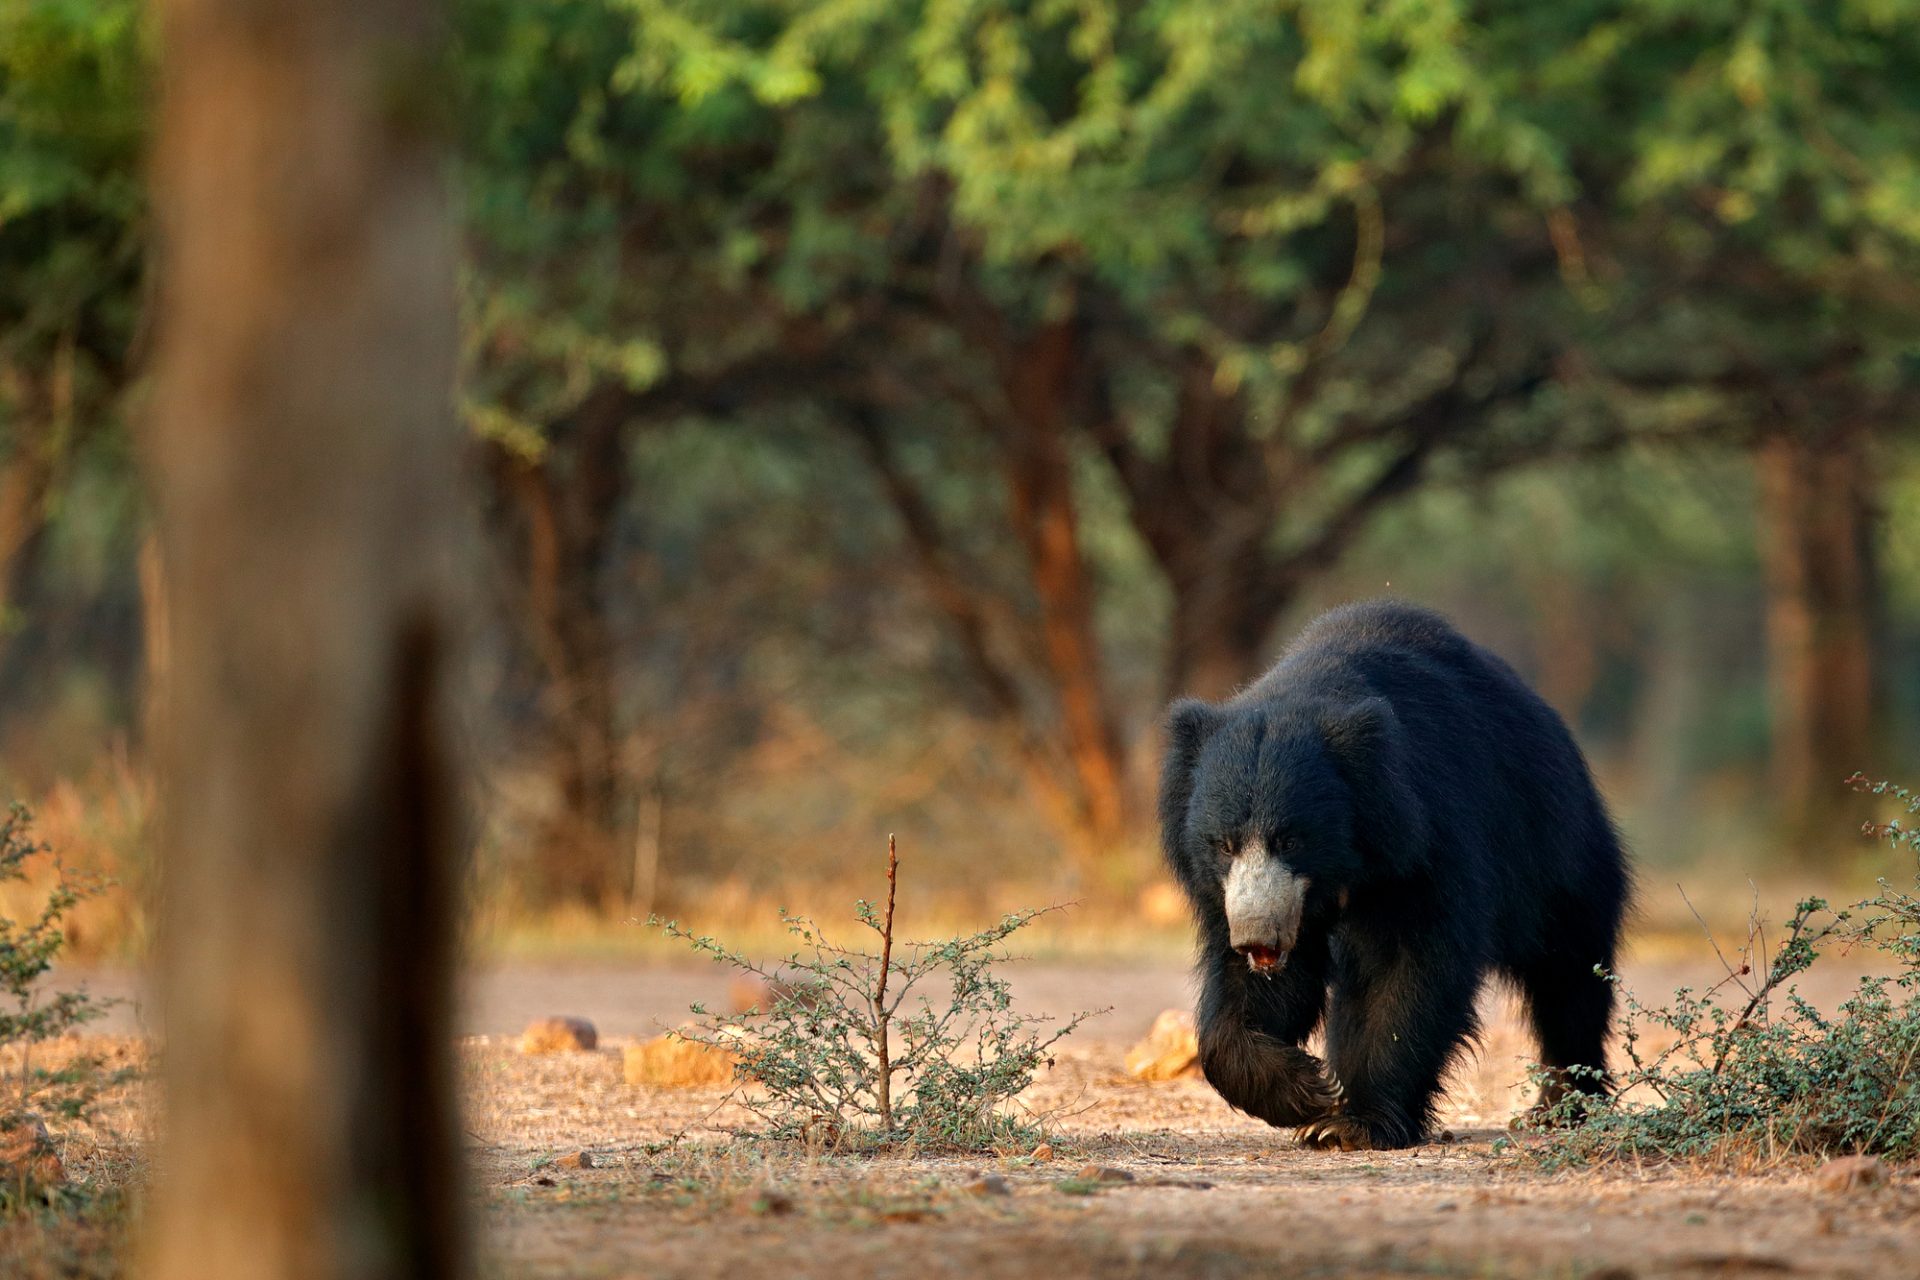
{"type": "Point", "coordinates": [1075, 294]}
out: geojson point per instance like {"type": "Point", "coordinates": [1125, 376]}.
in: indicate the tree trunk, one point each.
{"type": "Point", "coordinates": [1039, 476]}
{"type": "Point", "coordinates": [568, 502]}
{"type": "Point", "coordinates": [39, 420]}
{"type": "Point", "coordinates": [1567, 631]}
{"type": "Point", "coordinates": [305, 468]}
{"type": "Point", "coordinates": [26, 477]}
{"type": "Point", "coordinates": [1816, 543]}
{"type": "Point", "coordinates": [1220, 632]}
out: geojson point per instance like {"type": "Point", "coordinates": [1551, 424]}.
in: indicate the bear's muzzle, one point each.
{"type": "Point", "coordinates": [1265, 901]}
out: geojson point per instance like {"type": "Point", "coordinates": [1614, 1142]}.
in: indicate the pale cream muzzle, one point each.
{"type": "Point", "coordinates": [1265, 901]}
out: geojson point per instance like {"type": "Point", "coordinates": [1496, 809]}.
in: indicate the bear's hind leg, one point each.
{"type": "Point", "coordinates": [1571, 1008]}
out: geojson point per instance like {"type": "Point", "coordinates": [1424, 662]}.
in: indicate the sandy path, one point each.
{"type": "Point", "coordinates": [674, 1192]}
{"type": "Point", "coordinates": [638, 999]}
{"type": "Point", "coordinates": [1213, 1193]}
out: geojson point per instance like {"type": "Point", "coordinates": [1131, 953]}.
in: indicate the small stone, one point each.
{"type": "Point", "coordinates": [1852, 1173]}
{"type": "Point", "coordinates": [989, 1184]}
{"type": "Point", "coordinates": [1103, 1173]}
{"type": "Point", "coordinates": [1447, 1206]}
{"type": "Point", "coordinates": [1043, 1152]}
{"type": "Point", "coordinates": [27, 1154]}
{"type": "Point", "coordinates": [1171, 1049]}
{"type": "Point", "coordinates": [559, 1035]}
{"type": "Point", "coordinates": [575, 1160]}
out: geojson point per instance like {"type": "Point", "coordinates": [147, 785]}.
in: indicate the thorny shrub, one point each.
{"type": "Point", "coordinates": [1750, 1069]}
{"type": "Point", "coordinates": [919, 1045]}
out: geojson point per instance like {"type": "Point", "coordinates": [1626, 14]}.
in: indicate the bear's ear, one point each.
{"type": "Point", "coordinates": [1369, 746]}
{"type": "Point", "coordinates": [1190, 722]}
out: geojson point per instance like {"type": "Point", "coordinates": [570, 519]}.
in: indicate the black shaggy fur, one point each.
{"type": "Point", "coordinates": [1449, 830]}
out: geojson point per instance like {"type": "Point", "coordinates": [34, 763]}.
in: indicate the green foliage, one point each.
{"type": "Point", "coordinates": [1260, 181]}
{"type": "Point", "coordinates": [1749, 1068]}
{"type": "Point", "coordinates": [73, 125]}
{"type": "Point", "coordinates": [823, 1051]}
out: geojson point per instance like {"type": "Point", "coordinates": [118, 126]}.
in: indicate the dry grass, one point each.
{"type": "Point", "coordinates": [672, 1187]}
{"type": "Point", "coordinates": [675, 1190]}
{"type": "Point", "coordinates": [87, 1229]}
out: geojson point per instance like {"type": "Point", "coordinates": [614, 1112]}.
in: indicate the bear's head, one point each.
{"type": "Point", "coordinates": [1271, 815]}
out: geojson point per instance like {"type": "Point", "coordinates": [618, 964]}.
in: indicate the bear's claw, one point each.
{"type": "Point", "coordinates": [1338, 1133]}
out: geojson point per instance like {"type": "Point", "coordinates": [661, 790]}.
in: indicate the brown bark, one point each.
{"type": "Point", "coordinates": [973, 612]}
{"type": "Point", "coordinates": [567, 504]}
{"type": "Point", "coordinates": [1039, 478]}
{"type": "Point", "coordinates": [1567, 629]}
{"type": "Point", "coordinates": [1215, 506]}
{"type": "Point", "coordinates": [1816, 540]}
{"type": "Point", "coordinates": [39, 416]}
{"type": "Point", "coordinates": [1219, 636]}
{"type": "Point", "coordinates": [304, 465]}
{"type": "Point", "coordinates": [561, 510]}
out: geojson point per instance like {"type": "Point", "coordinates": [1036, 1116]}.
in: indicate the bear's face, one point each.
{"type": "Point", "coordinates": [1258, 819]}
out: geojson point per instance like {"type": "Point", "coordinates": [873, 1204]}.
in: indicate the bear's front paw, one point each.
{"type": "Point", "coordinates": [1345, 1131]}
{"type": "Point", "coordinates": [1338, 1133]}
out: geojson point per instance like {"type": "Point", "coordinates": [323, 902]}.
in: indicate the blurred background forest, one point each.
{"type": "Point", "coordinates": [882, 407]}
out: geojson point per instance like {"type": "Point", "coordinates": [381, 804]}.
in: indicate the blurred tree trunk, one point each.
{"type": "Point", "coordinates": [305, 468]}
{"type": "Point", "coordinates": [1038, 466]}
{"type": "Point", "coordinates": [26, 477]}
{"type": "Point", "coordinates": [1220, 630]}
{"type": "Point", "coordinates": [1241, 519]}
{"type": "Point", "coordinates": [1048, 688]}
{"type": "Point", "coordinates": [39, 425]}
{"type": "Point", "coordinates": [566, 505]}
{"type": "Point", "coordinates": [1816, 508]}
{"type": "Point", "coordinates": [1669, 709]}
{"type": "Point", "coordinates": [1570, 620]}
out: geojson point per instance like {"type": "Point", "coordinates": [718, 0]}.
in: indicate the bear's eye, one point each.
{"type": "Point", "coordinates": [1224, 846]}
{"type": "Point", "coordinates": [1289, 844]}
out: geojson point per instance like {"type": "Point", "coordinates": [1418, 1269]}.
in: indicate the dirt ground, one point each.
{"type": "Point", "coordinates": [1189, 1188]}
{"type": "Point", "coordinates": [1211, 1193]}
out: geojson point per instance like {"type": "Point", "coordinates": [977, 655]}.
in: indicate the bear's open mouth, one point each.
{"type": "Point", "coordinates": [1263, 959]}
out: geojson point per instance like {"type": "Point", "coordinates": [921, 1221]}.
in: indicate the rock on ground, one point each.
{"type": "Point", "coordinates": [560, 1034]}
{"type": "Point", "coordinates": [1171, 1049]}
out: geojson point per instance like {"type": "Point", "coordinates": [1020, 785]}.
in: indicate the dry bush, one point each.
{"type": "Point", "coordinates": [1751, 1071]}
{"type": "Point", "coordinates": [916, 1045]}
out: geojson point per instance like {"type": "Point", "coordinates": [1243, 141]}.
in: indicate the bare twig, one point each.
{"type": "Point", "coordinates": [881, 1013]}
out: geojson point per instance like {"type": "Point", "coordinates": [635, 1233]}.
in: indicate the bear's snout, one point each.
{"type": "Point", "coordinates": [1264, 901]}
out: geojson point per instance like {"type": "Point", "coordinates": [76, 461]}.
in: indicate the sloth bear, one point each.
{"type": "Point", "coordinates": [1390, 812]}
